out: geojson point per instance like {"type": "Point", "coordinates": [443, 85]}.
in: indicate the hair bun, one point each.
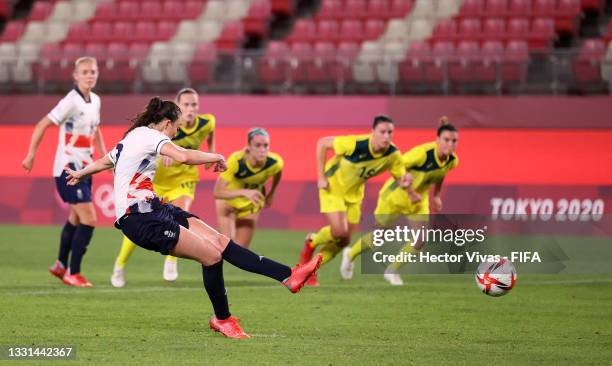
{"type": "Point", "coordinates": [444, 121]}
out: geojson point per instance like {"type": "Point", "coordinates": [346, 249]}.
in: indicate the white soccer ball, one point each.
{"type": "Point", "coordinates": [496, 278]}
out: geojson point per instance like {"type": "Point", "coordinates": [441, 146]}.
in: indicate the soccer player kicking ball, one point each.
{"type": "Point", "coordinates": [78, 118]}
{"type": "Point", "coordinates": [175, 182]}
{"type": "Point", "coordinates": [428, 164]}
{"type": "Point", "coordinates": [342, 181]}
{"type": "Point", "coordinates": [240, 190]}
{"type": "Point", "coordinates": [167, 229]}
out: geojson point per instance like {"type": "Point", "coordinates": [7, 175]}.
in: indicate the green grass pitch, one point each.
{"type": "Point", "coordinates": [432, 320]}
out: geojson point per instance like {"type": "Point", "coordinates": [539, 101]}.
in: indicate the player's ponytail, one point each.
{"type": "Point", "coordinates": [156, 111]}
{"type": "Point", "coordinates": [445, 125]}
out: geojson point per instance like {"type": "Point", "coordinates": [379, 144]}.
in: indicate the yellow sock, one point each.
{"type": "Point", "coordinates": [363, 243]}
{"type": "Point", "coordinates": [324, 236]}
{"type": "Point", "coordinates": [127, 247]}
{"type": "Point", "coordinates": [407, 248]}
{"type": "Point", "coordinates": [329, 251]}
{"type": "Point", "coordinates": [171, 258]}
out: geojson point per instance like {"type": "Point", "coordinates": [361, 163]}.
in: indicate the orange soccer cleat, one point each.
{"type": "Point", "coordinates": [301, 273]}
{"type": "Point", "coordinates": [228, 327]}
{"type": "Point", "coordinates": [313, 281]}
{"type": "Point", "coordinates": [76, 280]}
{"type": "Point", "coordinates": [307, 250]}
{"type": "Point", "coordinates": [58, 270]}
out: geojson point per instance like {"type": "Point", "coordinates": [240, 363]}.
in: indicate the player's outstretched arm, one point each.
{"type": "Point", "coordinates": [437, 200]}
{"type": "Point", "coordinates": [323, 145]}
{"type": "Point", "coordinates": [275, 181]}
{"type": "Point", "coordinates": [37, 135]}
{"type": "Point", "coordinates": [76, 176]}
{"type": "Point", "coordinates": [222, 193]}
{"type": "Point", "coordinates": [193, 157]}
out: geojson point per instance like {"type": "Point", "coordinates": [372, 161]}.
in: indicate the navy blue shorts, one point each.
{"type": "Point", "coordinates": [79, 193]}
{"type": "Point", "coordinates": [157, 230]}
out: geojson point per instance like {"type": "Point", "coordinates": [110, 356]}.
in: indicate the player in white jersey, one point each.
{"type": "Point", "coordinates": [78, 117]}
{"type": "Point", "coordinates": [166, 228]}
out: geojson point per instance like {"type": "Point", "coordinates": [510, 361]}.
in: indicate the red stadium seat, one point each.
{"type": "Point", "coordinates": [118, 51]}
{"type": "Point", "coordinates": [139, 51]}
{"type": "Point", "coordinates": [78, 32]}
{"type": "Point", "coordinates": [446, 30]}
{"type": "Point", "coordinates": [106, 11]}
{"type": "Point", "coordinates": [144, 31]}
{"type": "Point", "coordinates": [232, 34]}
{"type": "Point", "coordinates": [122, 31]}
{"type": "Point", "coordinates": [517, 28]}
{"type": "Point", "coordinates": [327, 30]}
{"type": "Point", "coordinates": [355, 9]}
{"type": "Point", "coordinates": [174, 10]}
{"type": "Point", "coordinates": [40, 10]}
{"type": "Point", "coordinates": [487, 69]}
{"type": "Point", "coordinates": [542, 32]}
{"type": "Point", "coordinates": [471, 8]}
{"type": "Point", "coordinates": [283, 7]}
{"type": "Point", "coordinates": [460, 67]}
{"type": "Point", "coordinates": [435, 68]}
{"type": "Point", "coordinates": [493, 29]}
{"type": "Point", "coordinates": [100, 31]}
{"type": "Point", "coordinates": [379, 10]}
{"type": "Point", "coordinates": [193, 9]}
{"type": "Point", "coordinates": [495, 8]}
{"type": "Point", "coordinates": [304, 30]}
{"type": "Point", "coordinates": [330, 9]}
{"type": "Point", "coordinates": [13, 31]}
{"type": "Point", "coordinates": [128, 11]}
{"type": "Point", "coordinates": [400, 8]}
{"type": "Point", "coordinates": [587, 66]}
{"type": "Point", "coordinates": [351, 30]}
{"type": "Point", "coordinates": [543, 8]}
{"type": "Point", "coordinates": [514, 62]}
{"type": "Point", "coordinates": [256, 21]}
{"type": "Point", "coordinates": [469, 28]}
{"type": "Point", "coordinates": [166, 29]}
{"type": "Point", "coordinates": [565, 15]}
{"type": "Point", "coordinates": [519, 8]}
{"type": "Point", "coordinates": [272, 68]}
{"type": "Point", "coordinates": [72, 51]}
{"type": "Point", "coordinates": [151, 10]}
{"type": "Point", "coordinates": [412, 68]}
{"type": "Point", "coordinates": [202, 68]}
{"type": "Point", "coordinates": [346, 54]}
{"type": "Point", "coordinates": [592, 5]}
{"type": "Point", "coordinates": [323, 59]}
{"type": "Point", "coordinates": [97, 50]}
{"type": "Point", "coordinates": [374, 28]}
{"type": "Point", "coordinates": [301, 56]}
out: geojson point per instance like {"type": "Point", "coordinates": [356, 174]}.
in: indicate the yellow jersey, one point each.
{"type": "Point", "coordinates": [241, 175]}
{"type": "Point", "coordinates": [423, 164]}
{"type": "Point", "coordinates": [188, 138]}
{"type": "Point", "coordinates": [354, 163]}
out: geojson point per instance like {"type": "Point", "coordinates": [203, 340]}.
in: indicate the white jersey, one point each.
{"type": "Point", "coordinates": [135, 160]}
{"type": "Point", "coordinates": [77, 119]}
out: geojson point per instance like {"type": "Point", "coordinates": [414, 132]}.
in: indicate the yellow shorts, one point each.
{"type": "Point", "coordinates": [392, 206]}
{"type": "Point", "coordinates": [244, 207]}
{"type": "Point", "coordinates": [334, 203]}
{"type": "Point", "coordinates": [169, 194]}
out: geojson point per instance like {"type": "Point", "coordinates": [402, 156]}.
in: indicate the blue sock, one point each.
{"type": "Point", "coordinates": [249, 261]}
{"type": "Point", "coordinates": [66, 243]}
{"type": "Point", "coordinates": [80, 241]}
{"type": "Point", "coordinates": [212, 276]}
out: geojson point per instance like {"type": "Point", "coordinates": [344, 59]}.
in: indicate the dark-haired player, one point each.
{"type": "Point", "coordinates": [240, 190]}
{"type": "Point", "coordinates": [175, 182]}
{"type": "Point", "coordinates": [168, 229]}
{"type": "Point", "coordinates": [341, 182]}
{"type": "Point", "coordinates": [428, 164]}
{"type": "Point", "coordinates": [78, 118]}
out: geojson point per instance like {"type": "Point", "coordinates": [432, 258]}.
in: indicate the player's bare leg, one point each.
{"type": "Point", "coordinates": [245, 229]}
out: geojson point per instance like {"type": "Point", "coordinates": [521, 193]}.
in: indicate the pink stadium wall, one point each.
{"type": "Point", "coordinates": [546, 164]}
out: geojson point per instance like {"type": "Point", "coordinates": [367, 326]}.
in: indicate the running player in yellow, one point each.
{"type": "Point", "coordinates": [240, 190]}
{"type": "Point", "coordinates": [174, 182]}
{"type": "Point", "coordinates": [341, 183]}
{"type": "Point", "coordinates": [428, 164]}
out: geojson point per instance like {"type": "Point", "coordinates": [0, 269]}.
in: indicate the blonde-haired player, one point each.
{"type": "Point", "coordinates": [341, 183]}
{"type": "Point", "coordinates": [174, 182]}
{"type": "Point", "coordinates": [240, 190]}
{"type": "Point", "coordinates": [78, 118]}
{"type": "Point", "coordinates": [428, 164]}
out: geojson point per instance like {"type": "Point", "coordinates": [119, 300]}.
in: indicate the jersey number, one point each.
{"type": "Point", "coordinates": [367, 174]}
